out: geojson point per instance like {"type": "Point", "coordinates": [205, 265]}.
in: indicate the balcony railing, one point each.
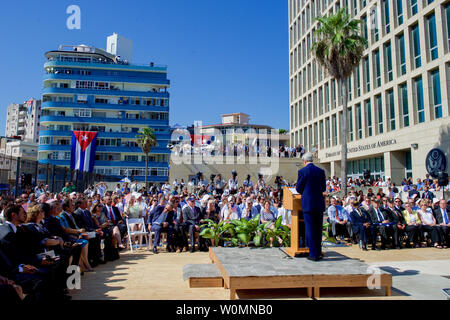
{"type": "Point", "coordinates": [105, 61]}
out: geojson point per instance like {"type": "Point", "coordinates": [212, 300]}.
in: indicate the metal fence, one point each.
{"type": "Point", "coordinates": [17, 175]}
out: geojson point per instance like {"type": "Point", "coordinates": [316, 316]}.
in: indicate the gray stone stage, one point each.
{"type": "Point", "coordinates": [263, 262]}
{"type": "Point", "coordinates": [270, 268]}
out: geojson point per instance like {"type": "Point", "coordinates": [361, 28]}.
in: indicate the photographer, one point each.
{"type": "Point", "coordinates": [219, 185]}
{"type": "Point", "coordinates": [248, 182]}
{"type": "Point", "coordinates": [233, 183]}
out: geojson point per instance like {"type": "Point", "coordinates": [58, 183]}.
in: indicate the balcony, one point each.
{"type": "Point", "coordinates": [106, 78]}
{"type": "Point", "coordinates": [155, 150]}
{"type": "Point", "coordinates": [103, 106]}
{"type": "Point", "coordinates": [117, 134]}
{"type": "Point", "coordinates": [58, 62]}
{"type": "Point", "coordinates": [118, 93]}
{"type": "Point", "coordinates": [97, 120]}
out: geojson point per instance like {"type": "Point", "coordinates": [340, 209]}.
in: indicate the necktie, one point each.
{"type": "Point", "coordinates": [337, 215]}
{"type": "Point", "coordinates": [380, 216]}
{"type": "Point", "coordinates": [111, 214]}
{"type": "Point", "coordinates": [444, 214]}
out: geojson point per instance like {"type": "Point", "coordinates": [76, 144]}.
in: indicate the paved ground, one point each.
{"type": "Point", "coordinates": [417, 274]}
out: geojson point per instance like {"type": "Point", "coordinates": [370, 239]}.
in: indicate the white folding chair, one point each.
{"type": "Point", "coordinates": [142, 232]}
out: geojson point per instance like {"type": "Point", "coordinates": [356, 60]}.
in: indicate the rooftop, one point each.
{"type": "Point", "coordinates": [82, 53]}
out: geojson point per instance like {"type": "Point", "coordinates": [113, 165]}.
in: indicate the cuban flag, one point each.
{"type": "Point", "coordinates": [30, 106]}
{"type": "Point", "coordinates": [84, 144]}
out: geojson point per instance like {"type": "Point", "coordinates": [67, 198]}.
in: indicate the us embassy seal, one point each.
{"type": "Point", "coordinates": [436, 162]}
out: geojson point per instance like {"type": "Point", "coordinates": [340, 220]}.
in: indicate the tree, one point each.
{"type": "Point", "coordinates": [282, 131]}
{"type": "Point", "coordinates": [146, 140]}
{"type": "Point", "coordinates": [339, 49]}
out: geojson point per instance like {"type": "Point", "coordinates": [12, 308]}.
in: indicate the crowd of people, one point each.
{"type": "Point", "coordinates": [42, 233]}
{"type": "Point", "coordinates": [238, 149]}
{"type": "Point", "coordinates": [363, 218]}
{"type": "Point", "coordinates": [334, 184]}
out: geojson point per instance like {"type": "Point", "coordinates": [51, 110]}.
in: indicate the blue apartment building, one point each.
{"type": "Point", "coordinates": [90, 89]}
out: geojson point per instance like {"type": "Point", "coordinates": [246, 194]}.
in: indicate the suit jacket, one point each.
{"type": "Point", "coordinates": [84, 220]}
{"type": "Point", "coordinates": [155, 213]}
{"type": "Point", "coordinates": [30, 239]}
{"type": "Point", "coordinates": [395, 216]}
{"type": "Point", "coordinates": [359, 220]}
{"type": "Point", "coordinates": [413, 192]}
{"type": "Point", "coordinates": [311, 184]}
{"type": "Point", "coordinates": [428, 195]}
{"type": "Point", "coordinates": [115, 211]}
{"type": "Point", "coordinates": [53, 225]}
{"type": "Point", "coordinates": [439, 217]}
{"type": "Point", "coordinates": [168, 217]}
{"type": "Point", "coordinates": [191, 216]}
{"type": "Point", "coordinates": [374, 215]}
{"type": "Point", "coordinates": [10, 247]}
{"type": "Point", "coordinates": [8, 268]}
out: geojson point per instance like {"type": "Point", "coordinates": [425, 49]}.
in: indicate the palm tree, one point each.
{"type": "Point", "coordinates": [339, 49]}
{"type": "Point", "coordinates": [146, 140]}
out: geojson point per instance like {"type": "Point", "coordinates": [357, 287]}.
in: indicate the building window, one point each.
{"type": "Point", "coordinates": [447, 13]}
{"type": "Point", "coordinates": [358, 121]}
{"type": "Point", "coordinates": [401, 54]}
{"type": "Point", "coordinates": [357, 81]}
{"type": "Point", "coordinates": [376, 58]}
{"type": "Point", "coordinates": [408, 164]}
{"type": "Point", "coordinates": [416, 46]}
{"type": "Point", "coordinates": [335, 131]}
{"type": "Point", "coordinates": [333, 92]}
{"type": "Point", "coordinates": [388, 61]}
{"type": "Point", "coordinates": [82, 113]}
{"type": "Point", "coordinates": [292, 116]}
{"type": "Point", "coordinates": [364, 30]}
{"type": "Point", "coordinates": [436, 98]}
{"type": "Point", "coordinates": [419, 106]}
{"type": "Point", "coordinates": [375, 26]}
{"type": "Point", "coordinates": [349, 88]}
{"type": "Point", "coordinates": [350, 124]}
{"type": "Point", "coordinates": [399, 11]}
{"type": "Point", "coordinates": [432, 37]}
{"type": "Point", "coordinates": [368, 107]}
{"type": "Point", "coordinates": [320, 101]}
{"type": "Point", "coordinates": [414, 7]}
{"type": "Point", "coordinates": [404, 104]}
{"type": "Point", "coordinates": [322, 138]}
{"type": "Point", "coordinates": [328, 132]}
{"type": "Point", "coordinates": [327, 98]}
{"type": "Point", "coordinates": [367, 74]}
{"type": "Point", "coordinates": [379, 106]}
{"type": "Point", "coordinates": [391, 109]}
{"type": "Point", "coordinates": [387, 21]}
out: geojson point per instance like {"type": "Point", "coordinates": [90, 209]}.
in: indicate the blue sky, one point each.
{"type": "Point", "coordinates": [223, 55]}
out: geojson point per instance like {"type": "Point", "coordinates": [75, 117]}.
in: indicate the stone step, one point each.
{"type": "Point", "coordinates": [202, 275]}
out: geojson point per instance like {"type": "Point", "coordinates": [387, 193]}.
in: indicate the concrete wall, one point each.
{"type": "Point", "coordinates": [287, 167]}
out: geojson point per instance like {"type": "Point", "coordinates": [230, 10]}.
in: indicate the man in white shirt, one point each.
{"type": "Point", "coordinates": [230, 210]}
{"type": "Point", "coordinates": [135, 187]}
{"type": "Point", "coordinates": [233, 183]}
{"type": "Point", "coordinates": [101, 189]}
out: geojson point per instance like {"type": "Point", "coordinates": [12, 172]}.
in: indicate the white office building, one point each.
{"type": "Point", "coordinates": [398, 96]}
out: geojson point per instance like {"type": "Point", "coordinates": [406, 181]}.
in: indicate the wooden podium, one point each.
{"type": "Point", "coordinates": [293, 202]}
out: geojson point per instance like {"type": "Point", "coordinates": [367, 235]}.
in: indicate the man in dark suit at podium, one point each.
{"type": "Point", "coordinates": [311, 184]}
